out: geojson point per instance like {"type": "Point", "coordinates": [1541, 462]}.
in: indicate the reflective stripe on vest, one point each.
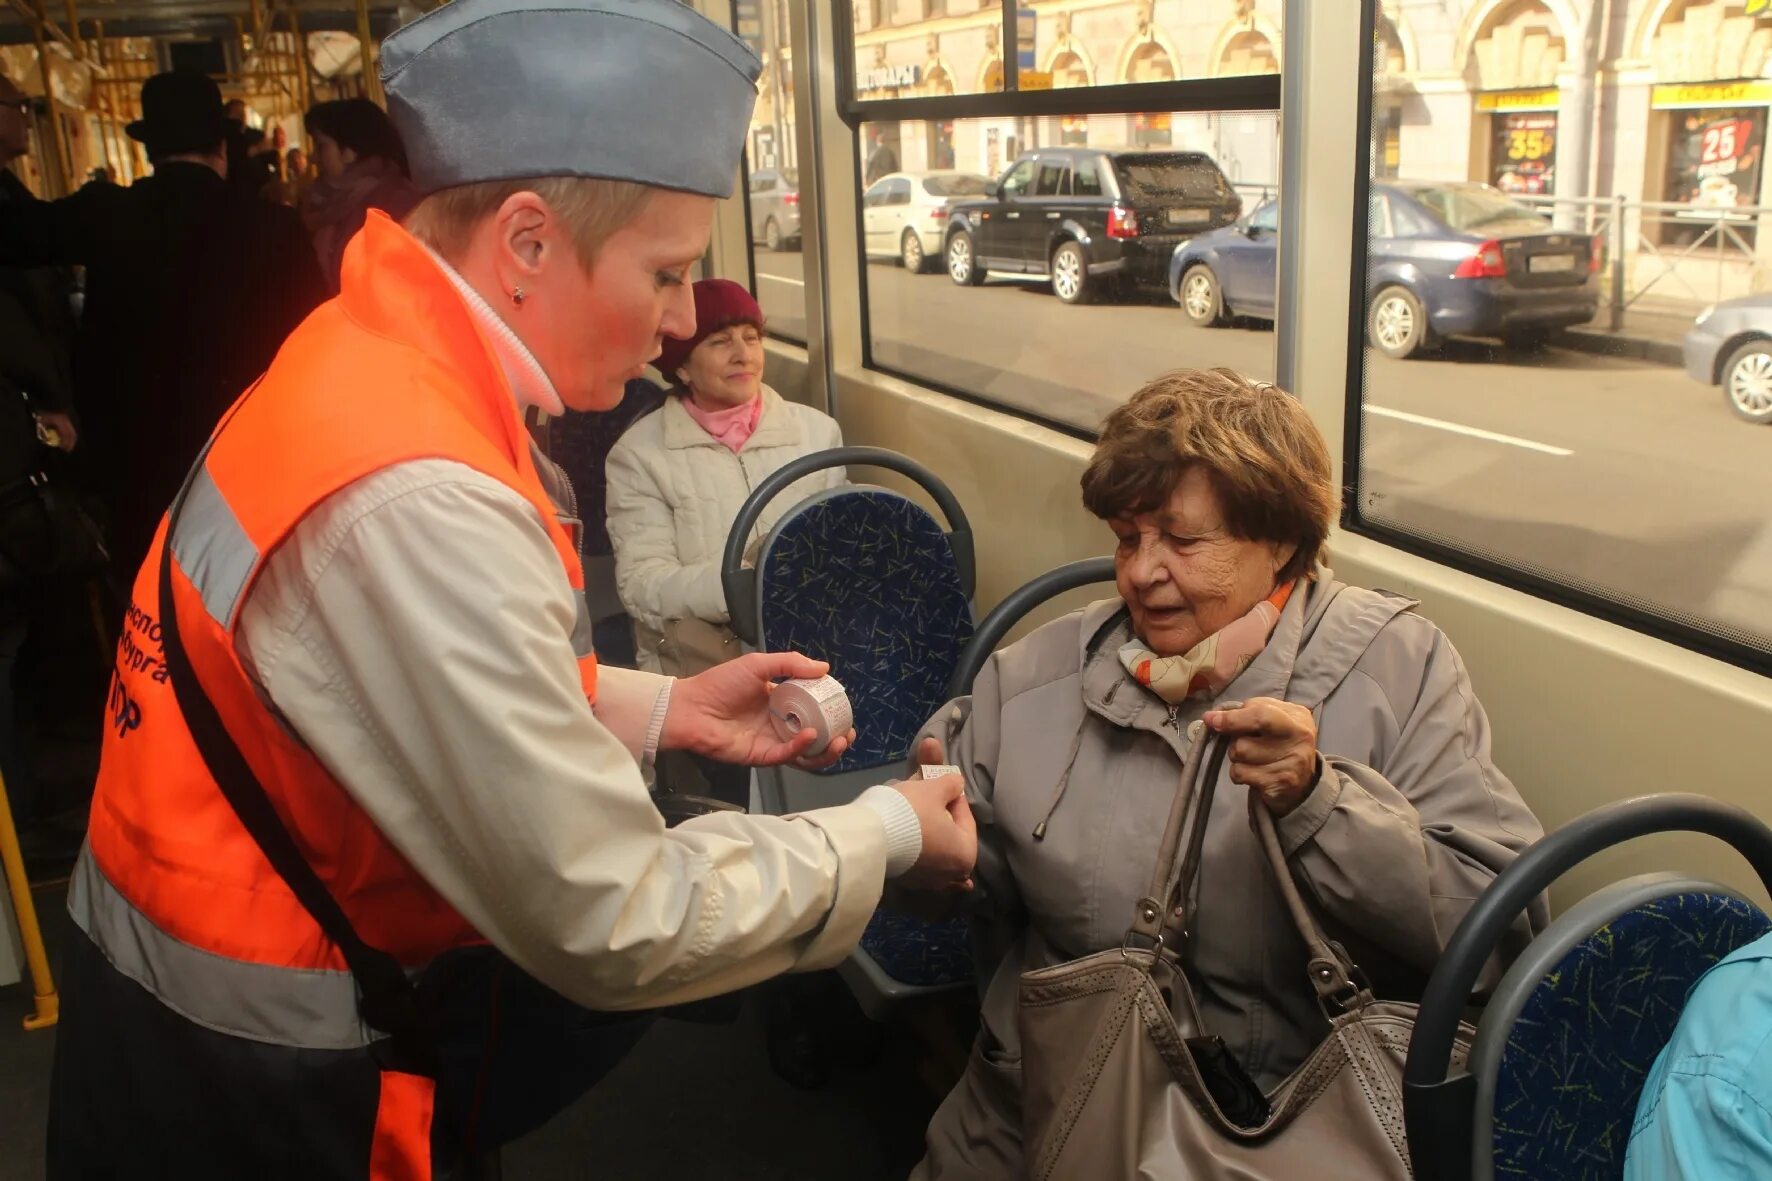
{"type": "Point", "coordinates": [313, 1009]}
{"type": "Point", "coordinates": [213, 550]}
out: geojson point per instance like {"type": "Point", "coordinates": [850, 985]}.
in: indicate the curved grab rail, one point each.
{"type": "Point", "coordinates": [740, 584]}
{"type": "Point", "coordinates": [1438, 1109]}
{"type": "Point", "coordinates": [1015, 607]}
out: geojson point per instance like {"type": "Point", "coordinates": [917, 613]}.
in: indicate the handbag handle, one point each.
{"type": "Point", "coordinates": [1332, 973]}
{"type": "Point", "coordinates": [1162, 915]}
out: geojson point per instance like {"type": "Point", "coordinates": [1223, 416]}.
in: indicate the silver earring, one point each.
{"type": "Point", "coordinates": [517, 296]}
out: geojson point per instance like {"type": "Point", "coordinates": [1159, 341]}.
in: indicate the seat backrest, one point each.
{"type": "Point", "coordinates": [1571, 1032]}
{"type": "Point", "coordinates": [580, 443]}
{"type": "Point", "coordinates": [865, 578]}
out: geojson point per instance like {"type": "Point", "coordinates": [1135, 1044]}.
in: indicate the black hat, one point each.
{"type": "Point", "coordinates": [181, 112]}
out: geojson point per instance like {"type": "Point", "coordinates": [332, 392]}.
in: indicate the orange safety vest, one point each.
{"type": "Point", "coordinates": [172, 889]}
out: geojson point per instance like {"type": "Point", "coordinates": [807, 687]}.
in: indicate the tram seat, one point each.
{"type": "Point", "coordinates": [1015, 607]}
{"type": "Point", "coordinates": [1565, 1042]}
{"type": "Point", "coordinates": [865, 578]}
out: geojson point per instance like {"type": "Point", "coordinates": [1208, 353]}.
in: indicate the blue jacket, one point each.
{"type": "Point", "coordinates": [1706, 1110]}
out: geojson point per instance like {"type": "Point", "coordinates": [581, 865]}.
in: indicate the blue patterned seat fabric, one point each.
{"type": "Point", "coordinates": [912, 951]}
{"type": "Point", "coordinates": [1576, 1059]}
{"type": "Point", "coordinates": [866, 580]}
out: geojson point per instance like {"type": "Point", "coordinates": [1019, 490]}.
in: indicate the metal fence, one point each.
{"type": "Point", "coordinates": [1670, 251]}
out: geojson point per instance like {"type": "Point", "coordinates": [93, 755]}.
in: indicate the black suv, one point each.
{"type": "Point", "coordinates": [1089, 219]}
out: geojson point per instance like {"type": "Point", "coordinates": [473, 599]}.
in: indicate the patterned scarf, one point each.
{"type": "Point", "coordinates": [1214, 662]}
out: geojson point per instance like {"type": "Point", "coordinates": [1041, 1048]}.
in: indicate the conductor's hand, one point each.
{"type": "Point", "coordinates": [723, 714]}
{"type": "Point", "coordinates": [950, 836]}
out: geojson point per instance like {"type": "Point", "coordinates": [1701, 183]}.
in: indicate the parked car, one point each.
{"type": "Point", "coordinates": [1730, 345]}
{"type": "Point", "coordinates": [1445, 258]}
{"type": "Point", "coordinates": [1092, 220]}
{"type": "Point", "coordinates": [905, 215]}
{"type": "Point", "coordinates": [775, 208]}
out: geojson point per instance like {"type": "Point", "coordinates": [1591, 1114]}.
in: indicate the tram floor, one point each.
{"type": "Point", "coordinates": [691, 1101]}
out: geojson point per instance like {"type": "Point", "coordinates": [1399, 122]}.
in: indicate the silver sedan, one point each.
{"type": "Point", "coordinates": [1730, 345]}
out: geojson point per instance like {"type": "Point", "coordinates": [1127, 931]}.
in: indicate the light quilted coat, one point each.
{"type": "Point", "coordinates": [674, 492]}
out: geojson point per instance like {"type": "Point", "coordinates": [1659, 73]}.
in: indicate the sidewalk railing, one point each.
{"type": "Point", "coordinates": [1712, 254]}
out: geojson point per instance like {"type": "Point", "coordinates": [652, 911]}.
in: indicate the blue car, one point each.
{"type": "Point", "coordinates": [1447, 258]}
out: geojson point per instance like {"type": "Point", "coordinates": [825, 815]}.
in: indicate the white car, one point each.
{"type": "Point", "coordinates": [905, 215]}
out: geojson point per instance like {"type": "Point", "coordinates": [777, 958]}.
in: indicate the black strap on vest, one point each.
{"type": "Point", "coordinates": [387, 1000]}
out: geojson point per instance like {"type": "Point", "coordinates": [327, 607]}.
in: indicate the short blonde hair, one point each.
{"type": "Point", "coordinates": [1266, 458]}
{"type": "Point", "coordinates": [592, 210]}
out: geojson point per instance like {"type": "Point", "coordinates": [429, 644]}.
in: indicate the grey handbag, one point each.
{"type": "Point", "coordinates": [1120, 1080]}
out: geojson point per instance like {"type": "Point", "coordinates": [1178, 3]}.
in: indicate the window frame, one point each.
{"type": "Point", "coordinates": [1565, 592]}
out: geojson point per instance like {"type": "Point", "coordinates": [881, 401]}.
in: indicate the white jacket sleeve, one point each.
{"type": "Point", "coordinates": [415, 631]}
{"type": "Point", "coordinates": [652, 580]}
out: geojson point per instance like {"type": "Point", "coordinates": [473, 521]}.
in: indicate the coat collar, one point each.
{"type": "Point", "coordinates": [776, 428]}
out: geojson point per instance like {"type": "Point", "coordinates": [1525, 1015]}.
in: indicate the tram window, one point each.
{"type": "Point", "coordinates": [975, 294]}
{"type": "Point", "coordinates": [920, 48]}
{"type": "Point", "coordinates": [772, 199]}
{"type": "Point", "coordinates": [1567, 378]}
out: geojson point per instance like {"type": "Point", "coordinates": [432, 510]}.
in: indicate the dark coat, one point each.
{"type": "Point", "coordinates": [190, 290]}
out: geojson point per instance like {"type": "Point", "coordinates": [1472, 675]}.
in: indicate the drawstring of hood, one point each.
{"type": "Point", "coordinates": [1064, 781]}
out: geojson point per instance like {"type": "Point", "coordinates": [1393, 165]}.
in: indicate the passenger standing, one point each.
{"type": "Point", "coordinates": [181, 310]}
{"type": "Point", "coordinates": [362, 167]}
{"type": "Point", "coordinates": [678, 478]}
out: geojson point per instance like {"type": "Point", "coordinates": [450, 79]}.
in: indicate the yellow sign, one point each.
{"type": "Point", "coordinates": [1035, 79]}
{"type": "Point", "coordinates": [1519, 100]}
{"type": "Point", "coordinates": [1757, 93]}
{"type": "Point", "coordinates": [1758, 7]}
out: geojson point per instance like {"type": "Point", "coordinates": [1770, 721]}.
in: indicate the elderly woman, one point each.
{"type": "Point", "coordinates": [678, 478]}
{"type": "Point", "coordinates": [1219, 495]}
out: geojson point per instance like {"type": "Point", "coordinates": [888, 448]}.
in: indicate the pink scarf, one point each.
{"type": "Point", "coordinates": [731, 427]}
{"type": "Point", "coordinates": [1214, 662]}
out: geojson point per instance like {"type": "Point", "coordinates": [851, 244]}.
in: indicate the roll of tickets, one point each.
{"type": "Point", "coordinates": [819, 704]}
{"type": "Point", "coordinates": [936, 771]}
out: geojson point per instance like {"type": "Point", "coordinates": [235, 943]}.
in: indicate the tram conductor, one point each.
{"type": "Point", "coordinates": [370, 849]}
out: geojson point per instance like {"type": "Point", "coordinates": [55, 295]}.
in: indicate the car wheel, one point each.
{"type": "Point", "coordinates": [1397, 325]}
{"type": "Point", "coordinates": [1747, 381]}
{"type": "Point", "coordinates": [1070, 274]}
{"type": "Point", "coordinates": [1201, 298]}
{"type": "Point", "coordinates": [910, 252]}
{"type": "Point", "coordinates": [963, 266]}
{"type": "Point", "coordinates": [772, 234]}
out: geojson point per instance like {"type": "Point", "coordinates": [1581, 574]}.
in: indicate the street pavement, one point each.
{"type": "Point", "coordinates": [1619, 475]}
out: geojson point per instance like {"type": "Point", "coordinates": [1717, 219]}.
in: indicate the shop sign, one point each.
{"type": "Point", "coordinates": [1034, 80]}
{"type": "Point", "coordinates": [888, 78]}
{"type": "Point", "coordinates": [1524, 157]}
{"type": "Point", "coordinates": [1519, 100]}
{"type": "Point", "coordinates": [1714, 157]}
{"type": "Point", "coordinates": [1755, 93]}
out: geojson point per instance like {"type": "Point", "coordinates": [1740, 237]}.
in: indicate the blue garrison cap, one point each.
{"type": "Point", "coordinates": [635, 90]}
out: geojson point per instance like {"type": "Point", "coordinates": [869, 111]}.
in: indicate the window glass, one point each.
{"type": "Point", "coordinates": [899, 192]}
{"type": "Point", "coordinates": [1378, 217]}
{"type": "Point", "coordinates": [1054, 178]}
{"type": "Point", "coordinates": [771, 156]}
{"type": "Point", "coordinates": [1567, 380]}
{"type": "Point", "coordinates": [919, 48]}
{"type": "Point", "coordinates": [1019, 179]}
{"type": "Point", "coordinates": [1086, 180]}
{"type": "Point", "coordinates": [964, 297]}
{"type": "Point", "coordinates": [1267, 217]}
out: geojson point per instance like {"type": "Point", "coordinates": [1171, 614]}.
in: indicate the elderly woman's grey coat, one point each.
{"type": "Point", "coordinates": [1408, 824]}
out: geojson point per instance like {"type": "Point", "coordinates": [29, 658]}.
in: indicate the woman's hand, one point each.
{"type": "Point", "coordinates": [723, 714]}
{"type": "Point", "coordinates": [1274, 750]}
